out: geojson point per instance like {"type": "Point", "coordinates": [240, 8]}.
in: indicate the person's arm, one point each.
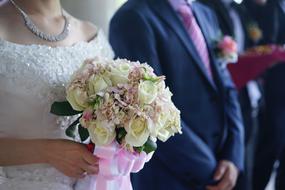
{"type": "Point", "coordinates": [234, 146]}
{"type": "Point", "coordinates": [19, 152]}
{"type": "Point", "coordinates": [132, 38]}
{"type": "Point", "coordinates": [71, 158]}
{"type": "Point", "coordinates": [233, 150]}
{"type": "Point", "coordinates": [231, 161]}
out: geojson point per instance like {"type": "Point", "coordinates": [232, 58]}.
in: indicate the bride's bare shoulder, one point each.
{"type": "Point", "coordinates": [6, 19]}
{"type": "Point", "coordinates": [10, 22]}
{"type": "Point", "coordinates": [89, 29]}
{"type": "Point", "coordinates": [86, 29]}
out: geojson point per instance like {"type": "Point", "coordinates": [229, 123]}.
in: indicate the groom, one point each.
{"type": "Point", "coordinates": [176, 38]}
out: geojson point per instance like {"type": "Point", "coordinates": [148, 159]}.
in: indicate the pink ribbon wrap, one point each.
{"type": "Point", "coordinates": [115, 166]}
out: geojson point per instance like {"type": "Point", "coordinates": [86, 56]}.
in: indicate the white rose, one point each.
{"type": "Point", "coordinates": [137, 132]}
{"type": "Point", "coordinates": [161, 132]}
{"type": "Point", "coordinates": [78, 98]}
{"type": "Point", "coordinates": [163, 135]}
{"type": "Point", "coordinates": [167, 94]}
{"type": "Point", "coordinates": [171, 125]}
{"type": "Point", "coordinates": [97, 83]}
{"type": "Point", "coordinates": [102, 133]}
{"type": "Point", "coordinates": [162, 119]}
{"type": "Point", "coordinates": [161, 86]}
{"type": "Point", "coordinates": [120, 73]}
{"type": "Point", "coordinates": [147, 92]}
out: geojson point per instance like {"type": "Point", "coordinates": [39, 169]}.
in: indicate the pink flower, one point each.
{"type": "Point", "coordinates": [86, 119]}
{"type": "Point", "coordinates": [228, 45]}
{"type": "Point", "coordinates": [87, 114]}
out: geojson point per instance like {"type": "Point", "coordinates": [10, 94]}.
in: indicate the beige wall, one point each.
{"type": "Point", "coordinates": [97, 11]}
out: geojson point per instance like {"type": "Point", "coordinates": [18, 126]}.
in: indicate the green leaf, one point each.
{"type": "Point", "coordinates": [70, 131]}
{"type": "Point", "coordinates": [63, 109]}
{"type": "Point", "coordinates": [97, 102]}
{"type": "Point", "coordinates": [149, 146]}
{"type": "Point", "coordinates": [153, 79]}
{"type": "Point", "coordinates": [83, 133]}
{"type": "Point", "coordinates": [121, 133]}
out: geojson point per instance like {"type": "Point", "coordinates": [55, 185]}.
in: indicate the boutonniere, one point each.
{"type": "Point", "coordinates": [226, 50]}
{"type": "Point", "coordinates": [254, 32]}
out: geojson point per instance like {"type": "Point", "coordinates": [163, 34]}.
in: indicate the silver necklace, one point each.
{"type": "Point", "coordinates": [34, 29]}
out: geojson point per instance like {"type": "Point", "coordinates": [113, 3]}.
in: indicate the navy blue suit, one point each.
{"type": "Point", "coordinates": [151, 31]}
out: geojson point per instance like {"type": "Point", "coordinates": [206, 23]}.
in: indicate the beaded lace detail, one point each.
{"type": "Point", "coordinates": [32, 77]}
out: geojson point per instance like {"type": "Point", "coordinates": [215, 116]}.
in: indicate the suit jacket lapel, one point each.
{"type": "Point", "coordinates": [282, 5]}
{"type": "Point", "coordinates": [202, 27]}
{"type": "Point", "coordinates": [209, 41]}
{"type": "Point", "coordinates": [168, 15]}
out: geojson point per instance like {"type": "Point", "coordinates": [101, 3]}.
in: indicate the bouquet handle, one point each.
{"type": "Point", "coordinates": [115, 166]}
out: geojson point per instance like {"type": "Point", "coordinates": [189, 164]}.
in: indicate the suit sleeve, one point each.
{"type": "Point", "coordinates": [131, 37]}
{"type": "Point", "coordinates": [233, 149]}
{"type": "Point", "coordinates": [234, 146]}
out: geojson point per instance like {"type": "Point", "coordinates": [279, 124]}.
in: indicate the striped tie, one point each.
{"type": "Point", "coordinates": [196, 35]}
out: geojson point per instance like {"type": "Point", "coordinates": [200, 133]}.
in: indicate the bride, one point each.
{"type": "Point", "coordinates": [41, 45]}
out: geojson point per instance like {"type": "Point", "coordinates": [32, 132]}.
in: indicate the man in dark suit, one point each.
{"type": "Point", "coordinates": [266, 14]}
{"type": "Point", "coordinates": [271, 145]}
{"type": "Point", "coordinates": [235, 20]}
{"type": "Point", "coordinates": [175, 38]}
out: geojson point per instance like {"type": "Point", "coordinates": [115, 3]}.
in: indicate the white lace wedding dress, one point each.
{"type": "Point", "coordinates": [32, 77]}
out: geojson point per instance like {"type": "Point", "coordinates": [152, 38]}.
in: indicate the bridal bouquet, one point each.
{"type": "Point", "coordinates": [124, 109]}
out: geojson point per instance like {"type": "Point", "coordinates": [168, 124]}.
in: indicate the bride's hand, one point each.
{"type": "Point", "coordinates": [71, 158]}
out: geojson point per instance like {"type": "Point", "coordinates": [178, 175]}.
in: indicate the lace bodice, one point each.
{"type": "Point", "coordinates": [32, 77]}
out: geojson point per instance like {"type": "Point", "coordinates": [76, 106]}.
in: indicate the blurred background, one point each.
{"type": "Point", "coordinates": [97, 11]}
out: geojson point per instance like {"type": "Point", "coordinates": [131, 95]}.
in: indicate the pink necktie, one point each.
{"type": "Point", "coordinates": [196, 35]}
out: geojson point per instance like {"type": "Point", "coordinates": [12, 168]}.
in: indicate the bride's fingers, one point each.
{"type": "Point", "coordinates": [91, 159]}
{"type": "Point", "coordinates": [80, 174]}
{"type": "Point", "coordinates": [77, 173]}
{"type": "Point", "coordinates": [90, 169]}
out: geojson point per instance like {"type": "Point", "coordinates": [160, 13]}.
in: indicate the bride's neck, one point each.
{"type": "Point", "coordinates": [50, 8]}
